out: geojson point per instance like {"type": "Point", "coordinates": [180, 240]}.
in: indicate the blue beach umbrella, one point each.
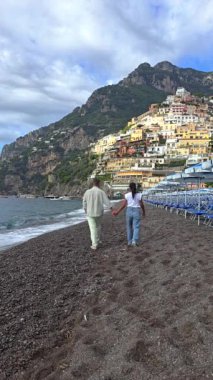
{"type": "Point", "coordinates": [196, 174]}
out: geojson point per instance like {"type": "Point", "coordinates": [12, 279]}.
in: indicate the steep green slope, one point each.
{"type": "Point", "coordinates": [109, 108]}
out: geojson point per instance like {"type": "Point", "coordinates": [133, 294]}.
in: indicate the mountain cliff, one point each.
{"type": "Point", "coordinates": [57, 154]}
{"type": "Point", "coordinates": [166, 77]}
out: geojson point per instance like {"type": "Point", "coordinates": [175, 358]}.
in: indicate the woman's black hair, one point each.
{"type": "Point", "coordinates": [133, 189]}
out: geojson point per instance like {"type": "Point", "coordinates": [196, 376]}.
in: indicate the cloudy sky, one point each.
{"type": "Point", "coordinates": [54, 53]}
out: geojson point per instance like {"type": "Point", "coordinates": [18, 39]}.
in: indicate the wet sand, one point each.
{"type": "Point", "coordinates": [142, 313]}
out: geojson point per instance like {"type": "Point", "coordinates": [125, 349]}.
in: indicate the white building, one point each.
{"type": "Point", "coordinates": [181, 92]}
{"type": "Point", "coordinates": [169, 100]}
{"type": "Point", "coordinates": [163, 110]}
{"type": "Point", "coordinates": [171, 144]}
{"type": "Point", "coordinates": [196, 158]}
{"type": "Point", "coordinates": [181, 119]}
{"type": "Point", "coordinates": [167, 133]}
{"type": "Point", "coordinates": [158, 150]}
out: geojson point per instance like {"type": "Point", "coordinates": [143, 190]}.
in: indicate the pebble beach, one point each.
{"type": "Point", "coordinates": [118, 313]}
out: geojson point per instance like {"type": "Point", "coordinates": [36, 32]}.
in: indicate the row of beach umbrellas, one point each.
{"type": "Point", "coordinates": [194, 175]}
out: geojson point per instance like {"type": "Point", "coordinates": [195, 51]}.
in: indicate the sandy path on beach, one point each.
{"type": "Point", "coordinates": [139, 313]}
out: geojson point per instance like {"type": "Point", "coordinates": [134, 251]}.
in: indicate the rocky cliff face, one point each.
{"type": "Point", "coordinates": [31, 159]}
{"type": "Point", "coordinates": [43, 164]}
{"type": "Point", "coordinates": [167, 77]}
{"type": "Point", "coordinates": [27, 164]}
{"type": "Point", "coordinates": [47, 139]}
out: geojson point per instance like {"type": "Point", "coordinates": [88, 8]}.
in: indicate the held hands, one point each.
{"type": "Point", "coordinates": [113, 212]}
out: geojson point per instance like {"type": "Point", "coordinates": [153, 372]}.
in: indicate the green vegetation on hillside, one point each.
{"type": "Point", "coordinates": [111, 107]}
{"type": "Point", "coordinates": [3, 173]}
{"type": "Point", "coordinates": [75, 167]}
{"type": "Point", "coordinates": [172, 164]}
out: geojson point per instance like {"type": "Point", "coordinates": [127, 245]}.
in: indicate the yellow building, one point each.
{"type": "Point", "coordinates": [190, 131]}
{"type": "Point", "coordinates": [194, 146]}
{"type": "Point", "coordinates": [169, 127]}
{"type": "Point", "coordinates": [196, 140]}
{"type": "Point", "coordinates": [199, 149]}
{"type": "Point", "coordinates": [111, 140]}
{"type": "Point", "coordinates": [182, 151]}
{"type": "Point", "coordinates": [116, 164]}
{"type": "Point", "coordinates": [132, 123]}
{"type": "Point", "coordinates": [99, 148]}
{"type": "Point", "coordinates": [130, 175]}
{"type": "Point", "coordinates": [104, 144]}
{"type": "Point", "coordinates": [136, 134]}
{"type": "Point", "coordinates": [150, 121]}
{"type": "Point", "coordinates": [151, 181]}
{"type": "Point", "coordinates": [146, 178]}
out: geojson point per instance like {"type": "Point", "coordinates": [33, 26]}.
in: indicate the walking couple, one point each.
{"type": "Point", "coordinates": [94, 201]}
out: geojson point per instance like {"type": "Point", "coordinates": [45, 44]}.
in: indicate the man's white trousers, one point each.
{"type": "Point", "coordinates": [95, 229]}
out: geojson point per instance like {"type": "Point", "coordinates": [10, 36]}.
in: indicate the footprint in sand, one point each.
{"type": "Point", "coordinates": [89, 340]}
{"type": "Point", "coordinates": [132, 293]}
{"type": "Point", "coordinates": [152, 261]}
{"type": "Point", "coordinates": [113, 262]}
{"type": "Point", "coordinates": [124, 271]}
{"type": "Point", "coordinates": [43, 373]}
{"type": "Point", "coordinates": [81, 371]}
{"type": "Point", "coordinates": [113, 295]}
{"type": "Point", "coordinates": [127, 370]}
{"type": "Point", "coordinates": [129, 283]}
{"type": "Point", "coordinates": [138, 352]}
{"type": "Point", "coordinates": [142, 314]}
{"type": "Point", "coordinates": [97, 310]}
{"type": "Point", "coordinates": [156, 323]}
{"type": "Point", "coordinates": [143, 270]}
{"type": "Point", "coordinates": [166, 262]}
{"type": "Point", "coordinates": [139, 258]}
{"type": "Point", "coordinates": [132, 309]}
{"type": "Point", "coordinates": [166, 282]}
{"type": "Point", "coordinates": [206, 318]}
{"type": "Point", "coordinates": [98, 350]}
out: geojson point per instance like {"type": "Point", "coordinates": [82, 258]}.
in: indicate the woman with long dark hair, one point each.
{"type": "Point", "coordinates": [134, 204]}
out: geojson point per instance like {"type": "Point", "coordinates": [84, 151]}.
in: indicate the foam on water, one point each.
{"type": "Point", "coordinates": [24, 219]}
{"type": "Point", "coordinates": [13, 237]}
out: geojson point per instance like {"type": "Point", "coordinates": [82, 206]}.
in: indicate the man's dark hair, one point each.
{"type": "Point", "coordinates": [96, 182]}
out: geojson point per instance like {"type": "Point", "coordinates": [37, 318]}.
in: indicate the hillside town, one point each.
{"type": "Point", "coordinates": [169, 137]}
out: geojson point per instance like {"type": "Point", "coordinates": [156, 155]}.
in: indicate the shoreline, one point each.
{"type": "Point", "coordinates": [141, 313]}
{"type": "Point", "coordinates": [52, 227]}
{"type": "Point", "coordinates": [16, 229]}
{"type": "Point", "coordinates": [4, 248]}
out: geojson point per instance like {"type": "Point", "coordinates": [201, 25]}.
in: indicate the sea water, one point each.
{"type": "Point", "coordinates": [22, 219]}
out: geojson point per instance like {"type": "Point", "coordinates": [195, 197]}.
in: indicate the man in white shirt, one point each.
{"type": "Point", "coordinates": [94, 200]}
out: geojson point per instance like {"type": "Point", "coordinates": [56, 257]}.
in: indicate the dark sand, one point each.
{"type": "Point", "coordinates": [143, 313]}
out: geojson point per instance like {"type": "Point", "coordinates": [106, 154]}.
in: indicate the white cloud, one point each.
{"type": "Point", "coordinates": [55, 53]}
